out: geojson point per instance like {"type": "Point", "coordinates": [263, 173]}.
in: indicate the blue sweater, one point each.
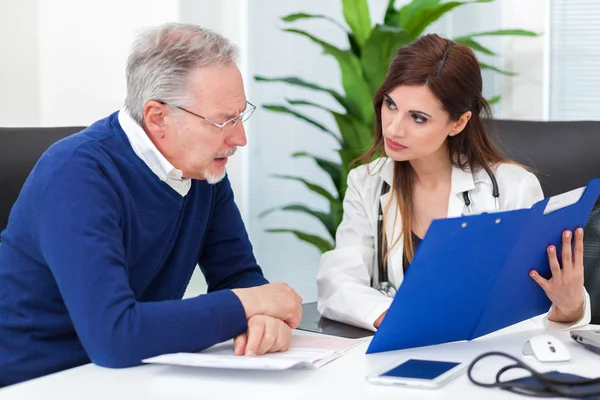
{"type": "Point", "coordinates": [97, 255]}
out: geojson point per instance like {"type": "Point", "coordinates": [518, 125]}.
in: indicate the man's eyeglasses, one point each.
{"type": "Point", "coordinates": [227, 125]}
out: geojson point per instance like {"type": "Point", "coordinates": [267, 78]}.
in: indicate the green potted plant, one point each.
{"type": "Point", "coordinates": [363, 66]}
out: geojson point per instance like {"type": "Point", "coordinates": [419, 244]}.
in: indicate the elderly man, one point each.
{"type": "Point", "coordinates": [112, 221]}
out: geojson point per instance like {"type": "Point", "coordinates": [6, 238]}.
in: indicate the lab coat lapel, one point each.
{"type": "Point", "coordinates": [462, 181]}
{"type": "Point", "coordinates": [393, 227]}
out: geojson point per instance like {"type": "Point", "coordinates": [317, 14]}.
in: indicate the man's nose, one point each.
{"type": "Point", "coordinates": [237, 136]}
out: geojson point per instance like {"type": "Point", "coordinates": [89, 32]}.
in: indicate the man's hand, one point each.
{"type": "Point", "coordinates": [264, 335]}
{"type": "Point", "coordinates": [565, 288]}
{"type": "Point", "coordinates": [276, 300]}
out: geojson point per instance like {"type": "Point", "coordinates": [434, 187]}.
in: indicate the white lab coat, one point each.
{"type": "Point", "coordinates": [345, 273]}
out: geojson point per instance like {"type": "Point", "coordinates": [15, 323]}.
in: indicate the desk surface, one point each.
{"type": "Point", "coordinates": [343, 378]}
{"type": "Point", "coordinates": [312, 321]}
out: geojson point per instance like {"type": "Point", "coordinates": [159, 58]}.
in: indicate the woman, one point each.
{"type": "Point", "coordinates": [429, 124]}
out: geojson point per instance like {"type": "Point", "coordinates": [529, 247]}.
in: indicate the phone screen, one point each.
{"type": "Point", "coordinates": [420, 369]}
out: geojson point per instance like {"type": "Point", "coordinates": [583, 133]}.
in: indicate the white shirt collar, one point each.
{"type": "Point", "coordinates": [151, 156]}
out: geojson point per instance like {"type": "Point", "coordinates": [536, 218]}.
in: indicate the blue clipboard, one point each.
{"type": "Point", "coordinates": [470, 275]}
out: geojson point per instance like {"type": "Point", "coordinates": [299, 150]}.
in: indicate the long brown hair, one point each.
{"type": "Point", "coordinates": [451, 72]}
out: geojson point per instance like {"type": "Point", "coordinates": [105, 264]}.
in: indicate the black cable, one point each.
{"type": "Point", "coordinates": [551, 386]}
{"type": "Point", "coordinates": [495, 188]}
{"type": "Point", "coordinates": [466, 198]}
{"type": "Point", "coordinates": [381, 247]}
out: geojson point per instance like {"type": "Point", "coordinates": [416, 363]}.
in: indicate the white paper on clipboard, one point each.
{"type": "Point", "coordinates": [563, 200]}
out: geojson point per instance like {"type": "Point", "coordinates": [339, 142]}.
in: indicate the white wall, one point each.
{"type": "Point", "coordinates": [83, 50]}
{"type": "Point", "coordinates": [526, 95]}
{"type": "Point", "coordinates": [63, 60]}
{"type": "Point", "coordinates": [523, 96]}
{"type": "Point", "coordinates": [482, 17]}
{"type": "Point", "coordinates": [19, 68]}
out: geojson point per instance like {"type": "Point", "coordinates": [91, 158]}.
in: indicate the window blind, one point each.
{"type": "Point", "coordinates": [574, 92]}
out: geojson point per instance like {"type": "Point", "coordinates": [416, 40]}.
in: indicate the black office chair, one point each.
{"type": "Point", "coordinates": [591, 257]}
{"type": "Point", "coordinates": [20, 149]}
{"type": "Point", "coordinates": [564, 156]}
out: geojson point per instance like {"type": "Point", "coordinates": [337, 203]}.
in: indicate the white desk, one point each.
{"type": "Point", "coordinates": [342, 379]}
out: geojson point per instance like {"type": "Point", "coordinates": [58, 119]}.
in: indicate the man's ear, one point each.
{"type": "Point", "coordinates": [154, 118]}
{"type": "Point", "coordinates": [460, 123]}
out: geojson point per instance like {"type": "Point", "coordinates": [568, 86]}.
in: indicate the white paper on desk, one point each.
{"type": "Point", "coordinates": [306, 351]}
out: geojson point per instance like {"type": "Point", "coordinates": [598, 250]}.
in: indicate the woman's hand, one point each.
{"type": "Point", "coordinates": [379, 320]}
{"type": "Point", "coordinates": [565, 287]}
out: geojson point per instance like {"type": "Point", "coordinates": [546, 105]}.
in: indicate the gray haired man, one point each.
{"type": "Point", "coordinates": [109, 226]}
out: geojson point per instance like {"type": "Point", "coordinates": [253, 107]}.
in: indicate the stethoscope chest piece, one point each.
{"type": "Point", "coordinates": [386, 289]}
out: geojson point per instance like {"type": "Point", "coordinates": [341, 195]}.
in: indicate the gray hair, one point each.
{"type": "Point", "coordinates": [162, 58]}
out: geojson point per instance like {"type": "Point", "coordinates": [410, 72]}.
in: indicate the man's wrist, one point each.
{"type": "Point", "coordinates": [247, 300]}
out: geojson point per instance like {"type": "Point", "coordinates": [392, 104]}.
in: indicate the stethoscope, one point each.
{"type": "Point", "coordinates": [549, 384]}
{"type": "Point", "coordinates": [493, 187]}
{"type": "Point", "coordinates": [384, 285]}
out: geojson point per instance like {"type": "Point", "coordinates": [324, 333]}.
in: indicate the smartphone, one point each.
{"type": "Point", "coordinates": [417, 373]}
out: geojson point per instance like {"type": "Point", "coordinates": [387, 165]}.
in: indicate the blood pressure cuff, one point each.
{"type": "Point", "coordinates": [534, 386]}
{"type": "Point", "coordinates": [537, 384]}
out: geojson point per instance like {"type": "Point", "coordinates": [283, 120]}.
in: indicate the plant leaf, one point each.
{"type": "Point", "coordinates": [323, 245]}
{"type": "Point", "coordinates": [298, 16]}
{"type": "Point", "coordinates": [356, 13]}
{"type": "Point", "coordinates": [474, 45]}
{"type": "Point", "coordinates": [354, 46]}
{"type": "Point", "coordinates": [392, 16]}
{"type": "Point", "coordinates": [413, 9]}
{"type": "Point", "coordinates": [418, 15]}
{"type": "Point", "coordinates": [347, 156]}
{"type": "Point", "coordinates": [300, 102]}
{"type": "Point", "coordinates": [356, 135]}
{"type": "Point", "coordinates": [354, 85]}
{"type": "Point", "coordinates": [323, 217]}
{"type": "Point", "coordinates": [337, 213]}
{"type": "Point", "coordinates": [309, 85]}
{"type": "Point", "coordinates": [494, 100]}
{"type": "Point", "coordinates": [509, 32]}
{"type": "Point", "coordinates": [286, 110]}
{"type": "Point", "coordinates": [490, 67]}
{"type": "Point", "coordinates": [312, 186]}
{"type": "Point", "coordinates": [333, 169]}
{"type": "Point", "coordinates": [378, 51]}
